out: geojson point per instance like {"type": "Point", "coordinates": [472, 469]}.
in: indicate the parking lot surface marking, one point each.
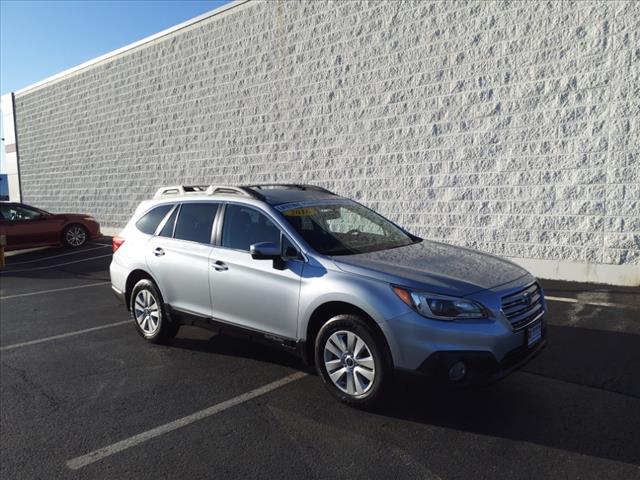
{"type": "Point", "coordinates": [89, 458]}
{"type": "Point", "coordinates": [56, 265]}
{"type": "Point", "coordinates": [74, 252]}
{"type": "Point", "coordinates": [593, 304]}
{"type": "Point", "coordinates": [62, 335]}
{"type": "Point", "coordinates": [53, 290]}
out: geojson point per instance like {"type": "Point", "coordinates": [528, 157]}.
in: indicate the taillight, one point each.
{"type": "Point", "coordinates": [116, 243]}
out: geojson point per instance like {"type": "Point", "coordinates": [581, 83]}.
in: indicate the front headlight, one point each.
{"type": "Point", "coordinates": [441, 307]}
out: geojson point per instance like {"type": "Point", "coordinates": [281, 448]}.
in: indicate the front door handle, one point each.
{"type": "Point", "coordinates": [158, 252]}
{"type": "Point", "coordinates": [219, 266]}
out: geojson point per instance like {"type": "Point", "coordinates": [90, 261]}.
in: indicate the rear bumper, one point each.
{"type": "Point", "coordinates": [119, 295]}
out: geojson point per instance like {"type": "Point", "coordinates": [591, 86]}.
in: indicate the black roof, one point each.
{"type": "Point", "coordinates": [276, 194]}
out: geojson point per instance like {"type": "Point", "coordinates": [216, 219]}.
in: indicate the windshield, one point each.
{"type": "Point", "coordinates": [343, 227]}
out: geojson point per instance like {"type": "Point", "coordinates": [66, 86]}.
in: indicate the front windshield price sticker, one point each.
{"type": "Point", "coordinates": [300, 212]}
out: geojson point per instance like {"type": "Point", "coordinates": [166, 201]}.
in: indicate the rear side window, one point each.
{"type": "Point", "coordinates": [195, 222]}
{"type": "Point", "coordinates": [167, 229]}
{"type": "Point", "coordinates": [245, 226]}
{"type": "Point", "coordinates": [150, 220]}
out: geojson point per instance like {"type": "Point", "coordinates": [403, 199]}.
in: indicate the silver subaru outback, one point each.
{"type": "Point", "coordinates": [329, 279]}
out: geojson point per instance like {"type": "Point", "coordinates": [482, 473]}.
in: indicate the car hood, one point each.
{"type": "Point", "coordinates": [434, 267]}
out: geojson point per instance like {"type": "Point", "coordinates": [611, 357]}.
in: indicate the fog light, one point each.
{"type": "Point", "coordinates": [457, 372]}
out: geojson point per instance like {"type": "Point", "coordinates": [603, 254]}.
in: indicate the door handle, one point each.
{"type": "Point", "coordinates": [219, 266]}
{"type": "Point", "coordinates": [158, 252]}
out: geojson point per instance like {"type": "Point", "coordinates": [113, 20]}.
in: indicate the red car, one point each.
{"type": "Point", "coordinates": [27, 227]}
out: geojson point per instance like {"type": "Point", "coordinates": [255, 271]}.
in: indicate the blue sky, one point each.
{"type": "Point", "coordinates": [41, 38]}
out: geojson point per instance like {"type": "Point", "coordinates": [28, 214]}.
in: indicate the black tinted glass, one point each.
{"type": "Point", "coordinates": [167, 229]}
{"type": "Point", "coordinates": [245, 226]}
{"type": "Point", "coordinates": [150, 221]}
{"type": "Point", "coordinates": [195, 222]}
{"type": "Point", "coordinates": [5, 212]}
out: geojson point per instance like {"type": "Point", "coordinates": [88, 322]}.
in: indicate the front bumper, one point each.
{"type": "Point", "coordinates": [94, 229]}
{"type": "Point", "coordinates": [489, 349]}
{"type": "Point", "coordinates": [482, 367]}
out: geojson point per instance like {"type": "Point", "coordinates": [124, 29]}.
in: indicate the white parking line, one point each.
{"type": "Point", "coordinates": [89, 458]}
{"type": "Point", "coordinates": [53, 290]}
{"type": "Point", "coordinates": [594, 304]}
{"type": "Point", "coordinates": [75, 252]}
{"type": "Point", "coordinates": [54, 266]}
{"type": "Point", "coordinates": [62, 335]}
{"type": "Point", "coordinates": [561, 299]}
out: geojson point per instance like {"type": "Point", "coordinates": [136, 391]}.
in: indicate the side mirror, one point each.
{"type": "Point", "coordinates": [264, 251]}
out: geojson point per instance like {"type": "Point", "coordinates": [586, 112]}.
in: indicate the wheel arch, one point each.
{"type": "Point", "coordinates": [134, 277]}
{"type": "Point", "coordinates": [330, 309]}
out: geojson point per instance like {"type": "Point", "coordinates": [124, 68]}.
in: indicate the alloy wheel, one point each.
{"type": "Point", "coordinates": [146, 312]}
{"type": "Point", "coordinates": [76, 236]}
{"type": "Point", "coordinates": [349, 363]}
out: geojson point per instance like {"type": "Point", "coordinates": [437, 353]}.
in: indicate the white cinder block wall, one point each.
{"type": "Point", "coordinates": [506, 126]}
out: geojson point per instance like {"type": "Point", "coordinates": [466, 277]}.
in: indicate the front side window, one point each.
{"type": "Point", "coordinates": [343, 227]}
{"type": "Point", "coordinates": [150, 220]}
{"type": "Point", "coordinates": [195, 222]}
{"type": "Point", "coordinates": [16, 212]}
{"type": "Point", "coordinates": [245, 226]}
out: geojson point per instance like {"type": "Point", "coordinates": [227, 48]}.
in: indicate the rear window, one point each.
{"type": "Point", "coordinates": [150, 220]}
{"type": "Point", "coordinates": [195, 222]}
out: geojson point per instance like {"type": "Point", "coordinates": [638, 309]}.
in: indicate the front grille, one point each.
{"type": "Point", "coordinates": [523, 307]}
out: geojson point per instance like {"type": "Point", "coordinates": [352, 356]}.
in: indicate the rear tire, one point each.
{"type": "Point", "coordinates": [75, 236]}
{"type": "Point", "coordinates": [353, 361]}
{"type": "Point", "coordinates": [148, 313]}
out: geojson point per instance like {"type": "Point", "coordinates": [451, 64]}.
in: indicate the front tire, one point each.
{"type": "Point", "coordinates": [75, 236]}
{"type": "Point", "coordinates": [352, 360]}
{"type": "Point", "coordinates": [148, 313]}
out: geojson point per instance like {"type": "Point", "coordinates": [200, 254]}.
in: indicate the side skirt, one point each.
{"type": "Point", "coordinates": [182, 317]}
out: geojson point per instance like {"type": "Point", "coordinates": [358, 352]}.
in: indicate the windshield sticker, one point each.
{"type": "Point", "coordinates": [300, 212]}
{"type": "Point", "coordinates": [311, 203]}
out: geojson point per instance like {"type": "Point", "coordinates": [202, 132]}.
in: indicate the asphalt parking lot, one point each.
{"type": "Point", "coordinates": [83, 396]}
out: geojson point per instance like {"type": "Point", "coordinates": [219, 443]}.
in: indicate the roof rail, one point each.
{"type": "Point", "coordinates": [213, 189]}
{"type": "Point", "coordinates": [245, 190]}
{"type": "Point", "coordinates": [297, 186]}
{"type": "Point", "coordinates": [180, 190]}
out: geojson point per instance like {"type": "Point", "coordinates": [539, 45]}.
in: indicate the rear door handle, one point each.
{"type": "Point", "coordinates": [158, 252]}
{"type": "Point", "coordinates": [219, 266]}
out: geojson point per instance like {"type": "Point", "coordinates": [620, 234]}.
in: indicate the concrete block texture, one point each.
{"type": "Point", "coordinates": [506, 126]}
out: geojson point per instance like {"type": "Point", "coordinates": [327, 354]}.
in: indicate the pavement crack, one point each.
{"type": "Point", "coordinates": [24, 377]}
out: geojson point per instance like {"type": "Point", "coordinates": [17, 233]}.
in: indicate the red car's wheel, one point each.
{"type": "Point", "coordinates": [75, 236]}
